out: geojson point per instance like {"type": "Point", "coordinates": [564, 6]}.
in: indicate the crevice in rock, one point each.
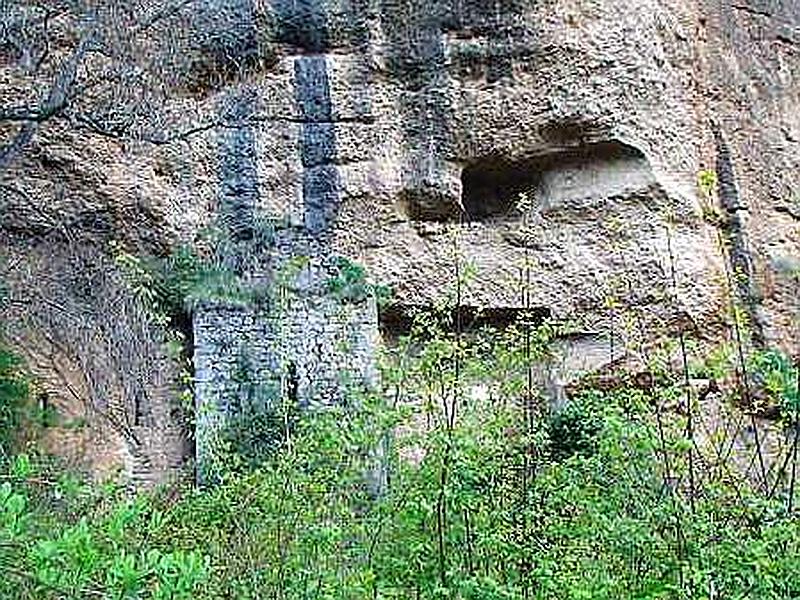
{"type": "Point", "coordinates": [740, 255]}
{"type": "Point", "coordinates": [397, 320]}
{"type": "Point", "coordinates": [756, 12]}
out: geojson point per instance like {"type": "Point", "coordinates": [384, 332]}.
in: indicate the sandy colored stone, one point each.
{"type": "Point", "coordinates": [603, 112]}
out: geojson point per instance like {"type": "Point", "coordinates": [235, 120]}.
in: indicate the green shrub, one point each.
{"type": "Point", "coordinates": [172, 286]}
{"type": "Point", "coordinates": [573, 429]}
{"type": "Point", "coordinates": [440, 486]}
{"type": "Point", "coordinates": [350, 283]}
{"type": "Point", "coordinates": [72, 541]}
{"type": "Point", "coordinates": [14, 392]}
{"type": "Point", "coordinates": [304, 524]}
{"type": "Point", "coordinates": [774, 372]}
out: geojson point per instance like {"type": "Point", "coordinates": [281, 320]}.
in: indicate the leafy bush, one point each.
{"type": "Point", "coordinates": [574, 430]}
{"type": "Point", "coordinates": [350, 283]}
{"type": "Point", "coordinates": [774, 372]}
{"type": "Point", "coordinates": [72, 541]}
{"type": "Point", "coordinates": [306, 524]}
{"type": "Point", "coordinates": [171, 286]}
{"type": "Point", "coordinates": [456, 481]}
{"type": "Point", "coordinates": [14, 391]}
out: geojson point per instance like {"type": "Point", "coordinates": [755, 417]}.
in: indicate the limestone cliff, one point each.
{"type": "Point", "coordinates": [401, 133]}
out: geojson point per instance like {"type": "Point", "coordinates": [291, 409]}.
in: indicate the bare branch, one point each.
{"type": "Point", "coordinates": [110, 36]}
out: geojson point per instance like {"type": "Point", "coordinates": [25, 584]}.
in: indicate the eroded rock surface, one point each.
{"type": "Point", "coordinates": [402, 133]}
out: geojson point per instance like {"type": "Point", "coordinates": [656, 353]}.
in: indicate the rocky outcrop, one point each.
{"type": "Point", "coordinates": [563, 135]}
{"type": "Point", "coordinates": [750, 57]}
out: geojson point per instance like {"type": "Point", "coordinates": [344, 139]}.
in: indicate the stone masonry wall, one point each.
{"type": "Point", "coordinates": [306, 351]}
{"type": "Point", "coordinates": [307, 346]}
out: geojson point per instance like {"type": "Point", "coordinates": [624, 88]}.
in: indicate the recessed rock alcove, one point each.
{"type": "Point", "coordinates": [492, 187]}
{"type": "Point", "coordinates": [397, 320]}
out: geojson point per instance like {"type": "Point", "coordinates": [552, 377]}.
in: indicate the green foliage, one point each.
{"type": "Point", "coordinates": [14, 392]}
{"type": "Point", "coordinates": [774, 372]}
{"type": "Point", "coordinates": [60, 538]}
{"type": "Point", "coordinates": [707, 182]}
{"type": "Point", "coordinates": [718, 364]}
{"type": "Point", "coordinates": [350, 283]}
{"type": "Point", "coordinates": [171, 286]}
{"type": "Point", "coordinates": [574, 429]}
{"type": "Point", "coordinates": [252, 437]}
{"type": "Point", "coordinates": [308, 524]}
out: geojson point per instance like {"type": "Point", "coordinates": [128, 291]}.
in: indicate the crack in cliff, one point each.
{"type": "Point", "coordinates": [185, 135]}
{"type": "Point", "coordinates": [740, 257]}
{"type": "Point", "coordinates": [752, 11]}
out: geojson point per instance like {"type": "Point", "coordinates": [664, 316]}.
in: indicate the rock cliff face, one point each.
{"type": "Point", "coordinates": [409, 135]}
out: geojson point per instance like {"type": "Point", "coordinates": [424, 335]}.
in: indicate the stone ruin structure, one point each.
{"type": "Point", "coordinates": [382, 131]}
{"type": "Point", "coordinates": [308, 344]}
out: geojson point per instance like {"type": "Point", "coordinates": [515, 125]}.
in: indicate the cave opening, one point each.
{"type": "Point", "coordinates": [492, 187]}
{"type": "Point", "coordinates": [397, 320]}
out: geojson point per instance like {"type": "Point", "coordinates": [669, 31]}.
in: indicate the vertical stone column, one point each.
{"type": "Point", "coordinates": [317, 143]}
